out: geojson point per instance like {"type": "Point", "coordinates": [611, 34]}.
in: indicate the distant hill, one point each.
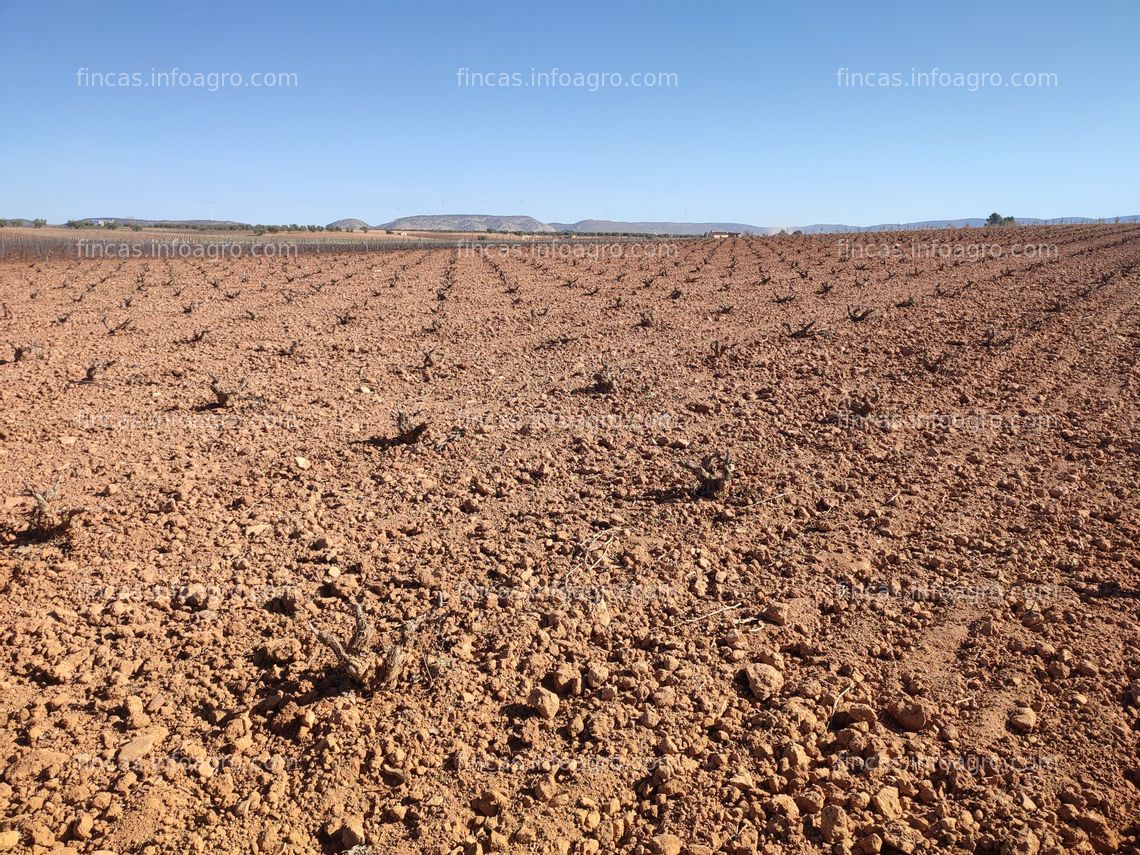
{"type": "Point", "coordinates": [467, 223]}
{"type": "Point", "coordinates": [348, 223]}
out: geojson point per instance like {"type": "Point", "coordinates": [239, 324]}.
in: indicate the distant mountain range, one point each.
{"type": "Point", "coordinates": [484, 222]}
{"type": "Point", "coordinates": [651, 228]}
{"type": "Point", "coordinates": [529, 225]}
{"type": "Point", "coordinates": [968, 222]}
{"type": "Point", "coordinates": [467, 223]}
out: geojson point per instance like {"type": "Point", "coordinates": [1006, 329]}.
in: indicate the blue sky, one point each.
{"type": "Point", "coordinates": [756, 127]}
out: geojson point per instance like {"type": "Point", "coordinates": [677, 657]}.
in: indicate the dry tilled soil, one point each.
{"type": "Point", "coordinates": [736, 546]}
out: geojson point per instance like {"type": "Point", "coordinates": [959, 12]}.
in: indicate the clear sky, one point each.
{"type": "Point", "coordinates": [754, 125]}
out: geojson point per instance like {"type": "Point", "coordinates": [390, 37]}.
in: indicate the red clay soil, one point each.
{"type": "Point", "coordinates": [666, 549]}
